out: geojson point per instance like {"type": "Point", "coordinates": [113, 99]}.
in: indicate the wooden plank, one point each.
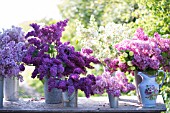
{"type": "Point", "coordinates": [93, 104]}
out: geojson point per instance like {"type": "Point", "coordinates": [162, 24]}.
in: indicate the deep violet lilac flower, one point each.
{"type": "Point", "coordinates": [21, 67]}
{"type": "Point", "coordinates": [57, 60]}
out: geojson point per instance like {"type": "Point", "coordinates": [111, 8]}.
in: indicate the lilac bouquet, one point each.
{"type": "Point", "coordinates": [57, 60]}
{"type": "Point", "coordinates": [12, 51]}
{"type": "Point", "coordinates": [141, 53]}
{"type": "Point", "coordinates": [112, 84]}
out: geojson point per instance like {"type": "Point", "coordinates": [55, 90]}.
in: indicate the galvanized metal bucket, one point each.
{"type": "Point", "coordinates": [70, 100]}
{"type": "Point", "coordinates": [54, 96]}
{"type": "Point", "coordinates": [1, 90]}
{"type": "Point", "coordinates": [113, 101]}
{"type": "Point", "coordinates": [11, 86]}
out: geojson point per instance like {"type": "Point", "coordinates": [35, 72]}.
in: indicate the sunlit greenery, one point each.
{"type": "Point", "coordinates": [153, 16]}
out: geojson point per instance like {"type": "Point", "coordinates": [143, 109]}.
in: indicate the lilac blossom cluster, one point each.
{"type": "Point", "coordinates": [75, 82]}
{"type": "Point", "coordinates": [75, 63]}
{"type": "Point", "coordinates": [164, 45]}
{"type": "Point", "coordinates": [12, 51]}
{"type": "Point", "coordinates": [139, 53]}
{"type": "Point", "coordinates": [57, 60]}
{"type": "Point", "coordinates": [48, 34]}
{"type": "Point", "coordinates": [42, 45]}
{"type": "Point", "coordinates": [112, 84]}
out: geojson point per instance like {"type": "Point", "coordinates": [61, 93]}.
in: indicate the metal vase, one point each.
{"type": "Point", "coordinates": [70, 100]}
{"type": "Point", "coordinates": [1, 91]}
{"type": "Point", "coordinates": [11, 86]}
{"type": "Point", "coordinates": [54, 96]}
{"type": "Point", "coordinates": [113, 101]}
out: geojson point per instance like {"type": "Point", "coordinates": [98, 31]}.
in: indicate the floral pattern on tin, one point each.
{"type": "Point", "coordinates": [151, 91]}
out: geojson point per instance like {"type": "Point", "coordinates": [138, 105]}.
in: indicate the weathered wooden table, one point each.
{"type": "Point", "coordinates": [93, 104]}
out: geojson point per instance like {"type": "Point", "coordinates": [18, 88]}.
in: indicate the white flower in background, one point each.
{"type": "Point", "coordinates": [102, 39]}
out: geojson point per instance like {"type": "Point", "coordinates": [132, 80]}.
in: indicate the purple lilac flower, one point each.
{"type": "Point", "coordinates": [21, 67]}
{"type": "Point", "coordinates": [53, 70]}
{"type": "Point", "coordinates": [12, 51]}
{"type": "Point", "coordinates": [48, 34]}
{"type": "Point", "coordinates": [112, 84]}
{"type": "Point", "coordinates": [62, 85]}
{"type": "Point", "coordinates": [71, 89]}
{"type": "Point", "coordinates": [34, 74]}
{"type": "Point", "coordinates": [74, 76]}
{"type": "Point", "coordinates": [78, 71]}
{"type": "Point", "coordinates": [87, 51]}
{"type": "Point", "coordinates": [51, 83]}
{"type": "Point", "coordinates": [164, 45]}
{"type": "Point", "coordinates": [140, 35]}
{"type": "Point", "coordinates": [86, 83]}
{"type": "Point", "coordinates": [147, 52]}
{"type": "Point", "coordinates": [57, 60]}
{"type": "Point", "coordinates": [73, 59]}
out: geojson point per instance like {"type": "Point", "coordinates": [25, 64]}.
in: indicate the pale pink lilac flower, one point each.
{"type": "Point", "coordinates": [112, 84]}
{"type": "Point", "coordinates": [147, 52]}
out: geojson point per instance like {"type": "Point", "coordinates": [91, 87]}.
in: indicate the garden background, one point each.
{"type": "Point", "coordinates": [152, 15]}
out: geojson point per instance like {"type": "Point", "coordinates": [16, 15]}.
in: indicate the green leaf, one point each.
{"type": "Point", "coordinates": [35, 53]}
{"type": "Point", "coordinates": [164, 54]}
{"type": "Point", "coordinates": [52, 46]}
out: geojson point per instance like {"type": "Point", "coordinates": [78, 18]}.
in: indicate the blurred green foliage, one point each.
{"type": "Point", "coordinates": [104, 11]}
{"type": "Point", "coordinates": [153, 16]}
{"type": "Point", "coordinates": [165, 91]}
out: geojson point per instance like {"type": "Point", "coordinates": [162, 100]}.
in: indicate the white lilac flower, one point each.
{"type": "Point", "coordinates": [102, 39]}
